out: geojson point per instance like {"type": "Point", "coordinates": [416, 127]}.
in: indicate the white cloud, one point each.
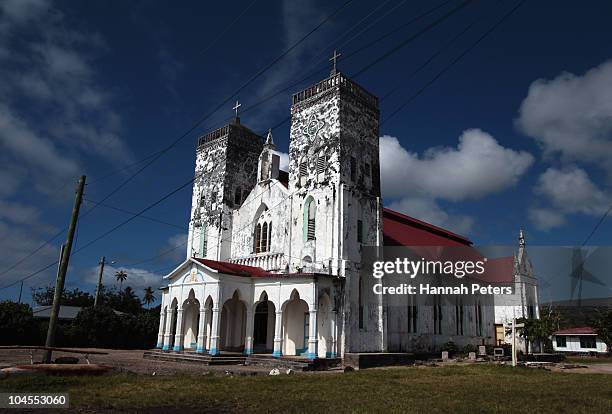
{"type": "Point", "coordinates": [137, 278]}
{"type": "Point", "coordinates": [571, 115]}
{"type": "Point", "coordinates": [571, 191]}
{"type": "Point", "coordinates": [429, 211]}
{"type": "Point", "coordinates": [546, 219]}
{"type": "Point", "coordinates": [284, 160]}
{"type": "Point", "coordinates": [21, 11]}
{"type": "Point", "coordinates": [477, 167]}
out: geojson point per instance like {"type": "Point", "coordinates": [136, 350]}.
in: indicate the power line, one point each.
{"type": "Point", "coordinates": [407, 41]}
{"type": "Point", "coordinates": [599, 223]}
{"type": "Point", "coordinates": [155, 156]}
{"type": "Point", "coordinates": [131, 212]}
{"type": "Point", "coordinates": [229, 26]}
{"type": "Point", "coordinates": [454, 61]}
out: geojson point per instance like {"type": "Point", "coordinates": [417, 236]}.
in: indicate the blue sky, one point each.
{"type": "Point", "coordinates": [518, 133]}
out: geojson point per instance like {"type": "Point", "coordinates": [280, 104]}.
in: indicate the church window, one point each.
{"type": "Point", "coordinates": [257, 238]}
{"type": "Point", "coordinates": [478, 317]}
{"type": "Point", "coordinates": [360, 299]}
{"type": "Point", "coordinates": [321, 163]}
{"type": "Point", "coordinates": [437, 316]}
{"type": "Point", "coordinates": [269, 236]}
{"type": "Point", "coordinates": [263, 247]}
{"type": "Point", "coordinates": [303, 168]}
{"type": "Point", "coordinates": [459, 318]}
{"type": "Point", "coordinates": [238, 196]}
{"type": "Point", "coordinates": [359, 231]}
{"type": "Point", "coordinates": [309, 219]}
{"type": "Point", "coordinates": [412, 318]}
{"type": "Point", "coordinates": [353, 169]}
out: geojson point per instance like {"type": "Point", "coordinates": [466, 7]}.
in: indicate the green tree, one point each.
{"type": "Point", "coordinates": [149, 296]}
{"type": "Point", "coordinates": [121, 276]}
{"type": "Point", "coordinates": [539, 330]}
{"type": "Point", "coordinates": [74, 297]}
{"type": "Point", "coordinates": [603, 327]}
{"type": "Point", "coordinates": [17, 324]}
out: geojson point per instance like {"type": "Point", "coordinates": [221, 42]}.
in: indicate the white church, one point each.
{"type": "Point", "coordinates": [274, 258]}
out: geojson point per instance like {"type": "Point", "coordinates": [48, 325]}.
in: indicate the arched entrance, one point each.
{"type": "Point", "coordinates": [208, 306]}
{"type": "Point", "coordinates": [233, 324]}
{"type": "Point", "coordinates": [263, 325]}
{"type": "Point", "coordinates": [295, 326]}
{"type": "Point", "coordinates": [174, 307]}
{"type": "Point", "coordinates": [191, 318]}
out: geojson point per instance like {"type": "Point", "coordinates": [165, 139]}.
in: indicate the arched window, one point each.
{"type": "Point", "coordinates": [257, 238]}
{"type": "Point", "coordinates": [264, 238]}
{"type": "Point", "coordinates": [309, 219]}
{"type": "Point", "coordinates": [303, 170]}
{"type": "Point", "coordinates": [269, 236]}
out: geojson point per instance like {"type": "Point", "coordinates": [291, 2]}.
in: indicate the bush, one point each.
{"type": "Point", "coordinates": [469, 348]}
{"type": "Point", "coordinates": [17, 324]}
{"type": "Point", "coordinates": [450, 347]}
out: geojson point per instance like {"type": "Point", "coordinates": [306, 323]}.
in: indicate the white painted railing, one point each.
{"type": "Point", "coordinates": [267, 261]}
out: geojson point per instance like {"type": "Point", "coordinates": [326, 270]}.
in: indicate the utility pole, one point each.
{"type": "Point", "coordinates": [99, 285]}
{"type": "Point", "coordinates": [20, 290]}
{"type": "Point", "coordinates": [63, 267]}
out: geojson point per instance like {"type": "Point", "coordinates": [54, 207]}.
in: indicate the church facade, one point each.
{"type": "Point", "coordinates": [274, 258]}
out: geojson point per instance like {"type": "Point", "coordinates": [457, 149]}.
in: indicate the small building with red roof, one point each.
{"type": "Point", "coordinates": [578, 340]}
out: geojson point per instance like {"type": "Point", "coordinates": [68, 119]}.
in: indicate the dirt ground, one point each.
{"type": "Point", "coordinates": [130, 361]}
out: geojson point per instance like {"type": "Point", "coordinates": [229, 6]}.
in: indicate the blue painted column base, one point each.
{"type": "Point", "coordinates": [213, 351]}
{"type": "Point", "coordinates": [165, 348]}
{"type": "Point", "coordinates": [330, 355]}
{"type": "Point", "coordinates": [159, 345]}
{"type": "Point", "coordinates": [276, 354]}
{"type": "Point", "coordinates": [311, 355]}
{"type": "Point", "coordinates": [200, 350]}
{"type": "Point", "coordinates": [177, 348]}
{"type": "Point", "coordinates": [248, 351]}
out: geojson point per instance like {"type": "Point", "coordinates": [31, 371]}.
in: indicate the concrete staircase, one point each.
{"type": "Point", "coordinates": [192, 357]}
{"type": "Point", "coordinates": [256, 360]}
{"type": "Point", "coordinates": [295, 363]}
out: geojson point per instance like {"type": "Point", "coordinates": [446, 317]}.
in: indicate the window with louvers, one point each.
{"type": "Point", "coordinates": [321, 164]}
{"type": "Point", "coordinates": [309, 217]}
{"type": "Point", "coordinates": [257, 238]}
{"type": "Point", "coordinates": [303, 169]}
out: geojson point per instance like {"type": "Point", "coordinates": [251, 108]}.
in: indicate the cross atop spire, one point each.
{"type": "Point", "coordinates": [334, 59]}
{"type": "Point", "coordinates": [236, 107]}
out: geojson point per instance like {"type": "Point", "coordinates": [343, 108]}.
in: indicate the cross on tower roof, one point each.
{"type": "Point", "coordinates": [334, 59]}
{"type": "Point", "coordinates": [236, 107]}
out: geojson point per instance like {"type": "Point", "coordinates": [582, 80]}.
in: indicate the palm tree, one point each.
{"type": "Point", "coordinates": [149, 296]}
{"type": "Point", "coordinates": [121, 275]}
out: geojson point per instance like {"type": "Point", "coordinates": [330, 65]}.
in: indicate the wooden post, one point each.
{"type": "Point", "coordinates": [63, 267]}
{"type": "Point", "coordinates": [99, 285]}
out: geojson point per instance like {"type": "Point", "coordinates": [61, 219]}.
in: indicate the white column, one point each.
{"type": "Point", "coordinates": [162, 325]}
{"type": "Point", "coordinates": [202, 330]}
{"type": "Point", "coordinates": [248, 341]}
{"type": "Point", "coordinates": [312, 334]}
{"type": "Point", "coordinates": [334, 333]}
{"type": "Point", "coordinates": [178, 338]}
{"type": "Point", "coordinates": [278, 335]}
{"type": "Point", "coordinates": [168, 331]}
{"type": "Point", "coordinates": [215, 330]}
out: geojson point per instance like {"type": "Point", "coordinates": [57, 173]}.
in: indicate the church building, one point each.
{"type": "Point", "coordinates": [274, 257]}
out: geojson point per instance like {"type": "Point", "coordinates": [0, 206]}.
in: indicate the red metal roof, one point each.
{"type": "Point", "coordinates": [402, 230]}
{"type": "Point", "coordinates": [234, 269]}
{"type": "Point", "coordinates": [584, 330]}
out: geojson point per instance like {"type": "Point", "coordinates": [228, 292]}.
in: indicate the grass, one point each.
{"type": "Point", "coordinates": [465, 389]}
